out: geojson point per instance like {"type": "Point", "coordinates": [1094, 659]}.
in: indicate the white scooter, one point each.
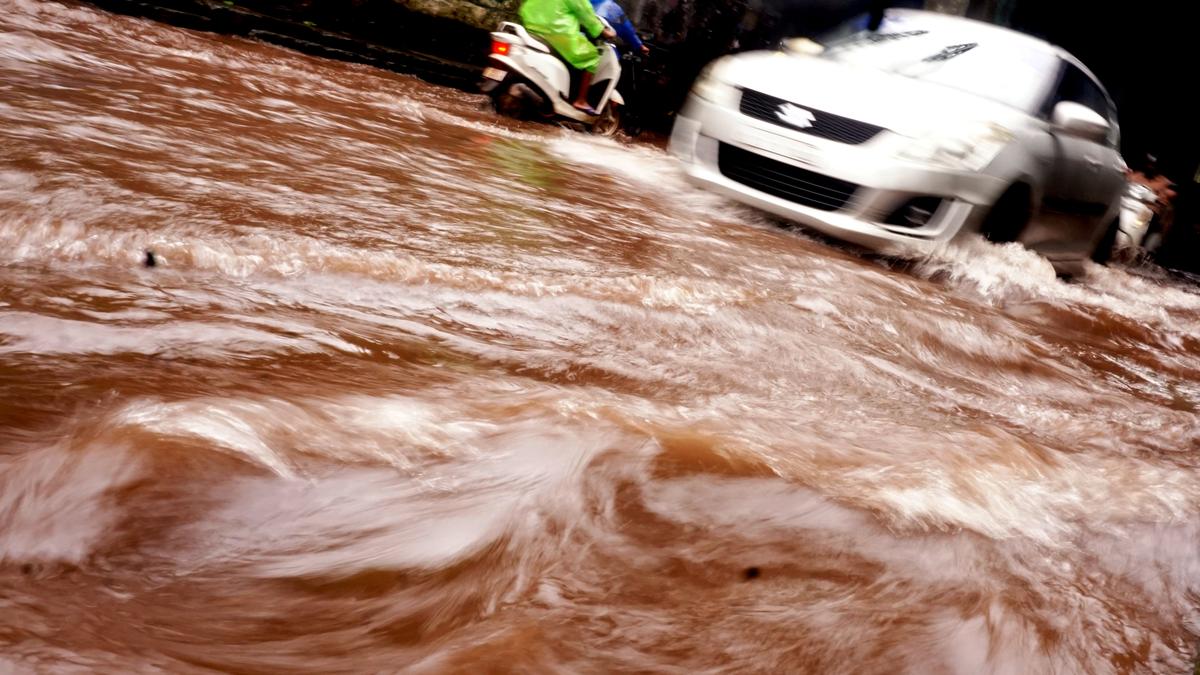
{"type": "Point", "coordinates": [1137, 210]}
{"type": "Point", "coordinates": [527, 78]}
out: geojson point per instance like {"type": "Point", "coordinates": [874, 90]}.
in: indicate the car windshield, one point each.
{"type": "Point", "coordinates": [978, 60]}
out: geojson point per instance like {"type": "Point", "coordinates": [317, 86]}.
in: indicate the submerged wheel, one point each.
{"type": "Point", "coordinates": [610, 121]}
{"type": "Point", "coordinates": [1009, 215]}
{"type": "Point", "coordinates": [508, 102]}
{"type": "Point", "coordinates": [518, 99]}
{"type": "Point", "coordinates": [1105, 249]}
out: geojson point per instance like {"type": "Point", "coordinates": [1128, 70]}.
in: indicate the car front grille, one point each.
{"type": "Point", "coordinates": [785, 181]}
{"type": "Point", "coordinates": [767, 108]}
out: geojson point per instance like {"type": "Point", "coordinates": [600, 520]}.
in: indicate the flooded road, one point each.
{"type": "Point", "coordinates": [414, 388]}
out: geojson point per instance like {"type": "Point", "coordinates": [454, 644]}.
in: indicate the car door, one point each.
{"type": "Point", "coordinates": [1103, 166]}
{"type": "Point", "coordinates": [1087, 172]}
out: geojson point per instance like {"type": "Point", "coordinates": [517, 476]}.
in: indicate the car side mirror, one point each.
{"type": "Point", "coordinates": [1081, 121]}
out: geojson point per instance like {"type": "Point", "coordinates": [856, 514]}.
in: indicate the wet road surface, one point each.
{"type": "Point", "coordinates": [415, 388]}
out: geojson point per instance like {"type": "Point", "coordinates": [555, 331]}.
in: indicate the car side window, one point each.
{"type": "Point", "coordinates": [1077, 86]}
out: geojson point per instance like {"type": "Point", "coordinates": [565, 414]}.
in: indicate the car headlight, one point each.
{"type": "Point", "coordinates": [970, 148]}
{"type": "Point", "coordinates": [712, 88]}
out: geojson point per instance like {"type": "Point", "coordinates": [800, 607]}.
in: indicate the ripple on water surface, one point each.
{"type": "Point", "coordinates": [415, 387]}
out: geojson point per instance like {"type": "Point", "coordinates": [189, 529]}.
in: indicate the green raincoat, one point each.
{"type": "Point", "coordinates": [559, 22]}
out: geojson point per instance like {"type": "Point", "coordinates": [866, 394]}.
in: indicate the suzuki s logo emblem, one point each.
{"type": "Point", "coordinates": [794, 115]}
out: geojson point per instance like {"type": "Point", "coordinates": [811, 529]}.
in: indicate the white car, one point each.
{"type": "Point", "coordinates": [903, 137]}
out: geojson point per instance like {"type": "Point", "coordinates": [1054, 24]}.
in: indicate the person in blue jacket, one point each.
{"type": "Point", "coordinates": [611, 12]}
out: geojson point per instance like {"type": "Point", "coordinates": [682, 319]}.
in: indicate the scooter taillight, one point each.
{"type": "Point", "coordinates": [500, 48]}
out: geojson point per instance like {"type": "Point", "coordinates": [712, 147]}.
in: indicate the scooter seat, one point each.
{"type": "Point", "coordinates": [540, 44]}
{"type": "Point", "coordinates": [525, 36]}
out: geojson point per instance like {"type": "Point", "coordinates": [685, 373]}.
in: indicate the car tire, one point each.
{"type": "Point", "coordinates": [1009, 216]}
{"type": "Point", "coordinates": [1104, 249]}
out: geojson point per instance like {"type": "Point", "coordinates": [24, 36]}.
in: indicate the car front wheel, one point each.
{"type": "Point", "coordinates": [1009, 216]}
{"type": "Point", "coordinates": [1104, 250]}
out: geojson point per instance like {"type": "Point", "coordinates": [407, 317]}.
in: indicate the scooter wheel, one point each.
{"type": "Point", "coordinates": [509, 101]}
{"type": "Point", "coordinates": [610, 121]}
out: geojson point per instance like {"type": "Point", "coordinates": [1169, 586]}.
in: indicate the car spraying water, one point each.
{"type": "Point", "coordinates": [902, 138]}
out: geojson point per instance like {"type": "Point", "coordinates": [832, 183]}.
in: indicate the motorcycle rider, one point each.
{"type": "Point", "coordinates": [560, 23]}
{"type": "Point", "coordinates": [1164, 207]}
{"type": "Point", "coordinates": [611, 12]}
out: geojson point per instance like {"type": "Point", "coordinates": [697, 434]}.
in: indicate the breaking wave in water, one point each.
{"type": "Point", "coordinates": [411, 387]}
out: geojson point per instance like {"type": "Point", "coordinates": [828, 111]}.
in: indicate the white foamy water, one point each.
{"type": "Point", "coordinates": [411, 386]}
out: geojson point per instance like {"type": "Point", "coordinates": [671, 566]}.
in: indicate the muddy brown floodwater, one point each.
{"type": "Point", "coordinates": [415, 389]}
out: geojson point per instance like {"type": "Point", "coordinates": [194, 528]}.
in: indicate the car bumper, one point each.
{"type": "Point", "coordinates": [882, 183]}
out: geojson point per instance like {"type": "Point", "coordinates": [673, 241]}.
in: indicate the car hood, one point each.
{"type": "Point", "coordinates": [901, 104]}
